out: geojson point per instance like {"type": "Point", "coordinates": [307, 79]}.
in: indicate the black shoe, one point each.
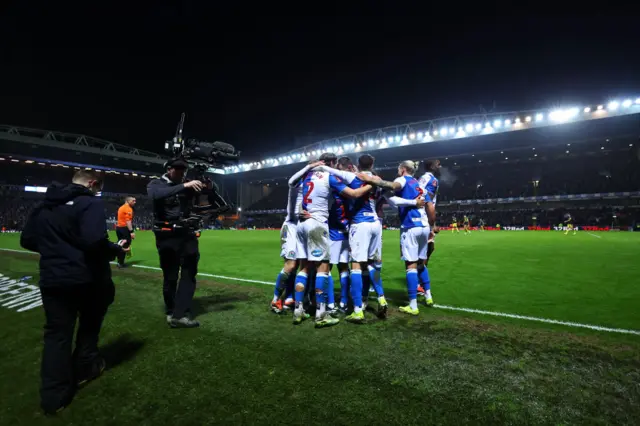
{"type": "Point", "coordinates": [96, 371]}
{"type": "Point", "coordinates": [184, 322]}
{"type": "Point", "coordinates": [121, 266]}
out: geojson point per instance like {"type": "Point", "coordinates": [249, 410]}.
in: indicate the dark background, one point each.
{"type": "Point", "coordinates": [266, 84]}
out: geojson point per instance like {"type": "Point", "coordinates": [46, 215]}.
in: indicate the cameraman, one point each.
{"type": "Point", "coordinates": [176, 242]}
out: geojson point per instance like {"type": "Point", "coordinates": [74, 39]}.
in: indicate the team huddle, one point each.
{"type": "Point", "coordinates": [334, 218]}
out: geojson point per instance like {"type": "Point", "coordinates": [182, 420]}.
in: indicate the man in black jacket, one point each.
{"type": "Point", "coordinates": [69, 230]}
{"type": "Point", "coordinates": [177, 245]}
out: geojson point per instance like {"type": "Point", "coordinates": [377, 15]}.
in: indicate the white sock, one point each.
{"type": "Point", "coordinates": [331, 306]}
{"type": "Point", "coordinates": [357, 309]}
{"type": "Point", "coordinates": [320, 311]}
{"type": "Point", "coordinates": [413, 304]}
{"type": "Point", "coordinates": [427, 294]}
{"type": "Point", "coordinates": [275, 299]}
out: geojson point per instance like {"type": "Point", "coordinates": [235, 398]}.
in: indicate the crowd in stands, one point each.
{"type": "Point", "coordinates": [16, 204]}
{"type": "Point", "coordinates": [34, 174]}
{"type": "Point", "coordinates": [617, 171]}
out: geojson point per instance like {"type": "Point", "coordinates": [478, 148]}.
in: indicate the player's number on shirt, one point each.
{"type": "Point", "coordinates": [306, 198]}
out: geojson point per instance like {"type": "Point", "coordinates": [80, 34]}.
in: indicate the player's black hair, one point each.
{"type": "Point", "coordinates": [365, 162]}
{"type": "Point", "coordinates": [329, 158]}
{"type": "Point", "coordinates": [430, 165]}
{"type": "Point", "coordinates": [344, 163]}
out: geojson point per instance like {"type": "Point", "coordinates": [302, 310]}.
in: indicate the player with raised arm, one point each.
{"type": "Point", "coordinates": [289, 242]}
{"type": "Point", "coordinates": [339, 231]}
{"type": "Point", "coordinates": [313, 236]}
{"type": "Point", "coordinates": [365, 234]}
{"type": "Point", "coordinates": [430, 185]}
{"type": "Point", "coordinates": [414, 230]}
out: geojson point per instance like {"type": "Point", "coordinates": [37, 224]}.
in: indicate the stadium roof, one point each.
{"type": "Point", "coordinates": [447, 129]}
{"type": "Point", "coordinates": [53, 148]}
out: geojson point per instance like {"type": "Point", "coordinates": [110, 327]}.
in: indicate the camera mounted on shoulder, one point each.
{"type": "Point", "coordinates": [199, 156]}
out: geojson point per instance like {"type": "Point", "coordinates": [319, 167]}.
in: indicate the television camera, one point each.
{"type": "Point", "coordinates": [200, 156]}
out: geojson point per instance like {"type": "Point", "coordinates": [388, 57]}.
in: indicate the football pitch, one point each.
{"type": "Point", "coordinates": [530, 328]}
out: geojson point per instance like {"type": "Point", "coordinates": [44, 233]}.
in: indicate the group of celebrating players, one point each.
{"type": "Point", "coordinates": [334, 219]}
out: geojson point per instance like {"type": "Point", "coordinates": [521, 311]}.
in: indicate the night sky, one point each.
{"type": "Point", "coordinates": [260, 83]}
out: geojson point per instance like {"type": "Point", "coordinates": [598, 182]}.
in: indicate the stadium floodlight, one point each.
{"type": "Point", "coordinates": [494, 123]}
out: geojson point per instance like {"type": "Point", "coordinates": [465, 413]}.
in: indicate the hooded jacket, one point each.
{"type": "Point", "coordinates": [69, 230]}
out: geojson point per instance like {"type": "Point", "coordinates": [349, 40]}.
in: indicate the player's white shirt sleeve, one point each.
{"type": "Point", "coordinates": [396, 201]}
{"type": "Point", "coordinates": [346, 176]}
{"type": "Point", "coordinates": [402, 181]}
{"type": "Point", "coordinates": [295, 179]}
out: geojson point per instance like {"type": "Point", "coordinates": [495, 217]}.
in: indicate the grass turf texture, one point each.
{"type": "Point", "coordinates": [245, 365]}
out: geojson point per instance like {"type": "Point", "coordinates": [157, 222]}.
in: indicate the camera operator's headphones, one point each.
{"type": "Point", "coordinates": [177, 162]}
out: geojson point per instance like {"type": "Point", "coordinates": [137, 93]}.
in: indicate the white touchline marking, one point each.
{"type": "Point", "coordinates": [594, 235]}
{"type": "Point", "coordinates": [446, 307]}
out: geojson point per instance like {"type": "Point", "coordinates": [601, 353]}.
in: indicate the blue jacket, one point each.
{"type": "Point", "coordinates": [69, 230]}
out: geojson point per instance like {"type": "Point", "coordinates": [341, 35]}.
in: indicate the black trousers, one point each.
{"type": "Point", "coordinates": [123, 233]}
{"type": "Point", "coordinates": [61, 368]}
{"type": "Point", "coordinates": [179, 257]}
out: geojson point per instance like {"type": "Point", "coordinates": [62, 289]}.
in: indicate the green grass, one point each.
{"type": "Point", "coordinates": [247, 366]}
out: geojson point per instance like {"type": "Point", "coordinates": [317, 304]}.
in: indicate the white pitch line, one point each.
{"type": "Point", "coordinates": [446, 307]}
{"type": "Point", "coordinates": [594, 235]}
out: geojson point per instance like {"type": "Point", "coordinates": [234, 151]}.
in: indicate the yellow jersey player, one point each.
{"type": "Point", "coordinates": [454, 224]}
{"type": "Point", "coordinates": [465, 223]}
{"type": "Point", "coordinates": [568, 221]}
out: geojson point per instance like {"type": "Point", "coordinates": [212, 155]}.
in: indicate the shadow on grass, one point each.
{"type": "Point", "coordinates": [215, 303]}
{"type": "Point", "coordinates": [121, 350]}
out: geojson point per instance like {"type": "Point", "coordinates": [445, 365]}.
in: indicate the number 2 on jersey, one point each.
{"type": "Point", "coordinates": [305, 198]}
